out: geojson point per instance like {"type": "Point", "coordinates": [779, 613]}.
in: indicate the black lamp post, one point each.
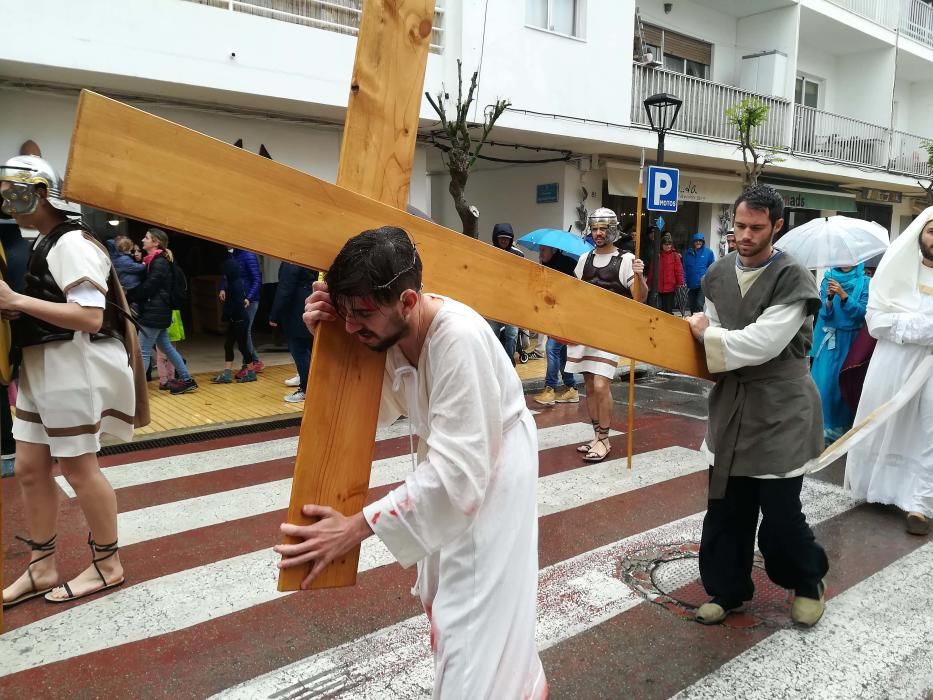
{"type": "Point", "coordinates": [662, 110]}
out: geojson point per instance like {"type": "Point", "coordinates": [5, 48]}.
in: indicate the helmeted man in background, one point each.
{"type": "Point", "coordinates": [608, 268]}
{"type": "Point", "coordinates": [697, 261]}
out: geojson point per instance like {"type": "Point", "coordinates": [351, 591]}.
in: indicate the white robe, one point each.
{"type": "Point", "coordinates": [467, 514]}
{"type": "Point", "coordinates": [895, 464]}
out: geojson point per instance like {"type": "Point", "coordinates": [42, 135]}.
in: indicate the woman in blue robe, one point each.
{"type": "Point", "coordinates": [844, 292]}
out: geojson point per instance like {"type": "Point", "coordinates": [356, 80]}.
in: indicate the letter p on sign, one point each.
{"type": "Point", "coordinates": [663, 186]}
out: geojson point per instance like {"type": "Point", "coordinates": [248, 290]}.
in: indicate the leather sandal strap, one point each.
{"type": "Point", "coordinates": [107, 549]}
{"type": "Point", "coordinates": [39, 546]}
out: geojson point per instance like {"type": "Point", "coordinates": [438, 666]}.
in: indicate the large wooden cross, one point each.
{"type": "Point", "coordinates": [128, 162]}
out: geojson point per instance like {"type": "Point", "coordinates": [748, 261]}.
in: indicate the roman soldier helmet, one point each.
{"type": "Point", "coordinates": [25, 173]}
{"type": "Point", "coordinates": [605, 216]}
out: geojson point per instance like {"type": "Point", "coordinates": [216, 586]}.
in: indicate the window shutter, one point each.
{"type": "Point", "coordinates": [675, 44]}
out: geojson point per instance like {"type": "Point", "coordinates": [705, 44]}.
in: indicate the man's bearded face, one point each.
{"type": "Point", "coordinates": [926, 241]}
{"type": "Point", "coordinates": [377, 326]}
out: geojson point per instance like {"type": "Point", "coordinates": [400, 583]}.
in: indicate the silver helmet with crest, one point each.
{"type": "Point", "coordinates": [25, 174]}
{"type": "Point", "coordinates": [605, 217]}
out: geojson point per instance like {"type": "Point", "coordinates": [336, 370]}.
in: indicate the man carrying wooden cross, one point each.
{"type": "Point", "coordinates": [467, 513]}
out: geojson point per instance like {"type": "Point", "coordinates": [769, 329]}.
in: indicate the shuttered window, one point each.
{"type": "Point", "coordinates": [692, 53]}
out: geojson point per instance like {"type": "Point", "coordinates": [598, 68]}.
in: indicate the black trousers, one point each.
{"type": "Point", "coordinates": [667, 302]}
{"type": "Point", "coordinates": [793, 558]}
{"type": "Point", "coordinates": [7, 443]}
{"type": "Point", "coordinates": [238, 332]}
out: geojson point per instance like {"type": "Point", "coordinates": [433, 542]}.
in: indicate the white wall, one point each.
{"type": "Point", "coordinates": [507, 194]}
{"type": "Point", "coordinates": [819, 65]}
{"type": "Point", "coordinates": [770, 31]}
{"type": "Point", "coordinates": [184, 44]}
{"type": "Point", "coordinates": [703, 23]}
{"type": "Point", "coordinates": [545, 72]}
{"type": "Point", "coordinates": [865, 84]}
{"type": "Point", "coordinates": [916, 111]}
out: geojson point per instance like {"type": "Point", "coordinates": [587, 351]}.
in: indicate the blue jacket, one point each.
{"type": "Point", "coordinates": [697, 262]}
{"type": "Point", "coordinates": [130, 272]}
{"type": "Point", "coordinates": [250, 273]}
{"type": "Point", "coordinates": [289, 303]}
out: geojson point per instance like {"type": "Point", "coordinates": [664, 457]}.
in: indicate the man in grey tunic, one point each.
{"type": "Point", "coordinates": [765, 422]}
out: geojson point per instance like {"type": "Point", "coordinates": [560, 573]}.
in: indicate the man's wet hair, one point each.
{"type": "Point", "coordinates": [763, 198]}
{"type": "Point", "coordinates": [378, 264]}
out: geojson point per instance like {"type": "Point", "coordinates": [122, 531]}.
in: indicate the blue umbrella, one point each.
{"type": "Point", "coordinates": [563, 241]}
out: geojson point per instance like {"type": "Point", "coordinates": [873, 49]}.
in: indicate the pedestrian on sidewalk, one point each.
{"type": "Point", "coordinates": [251, 274]}
{"type": "Point", "coordinates": [555, 350]}
{"type": "Point", "coordinates": [608, 268]}
{"type": "Point", "coordinates": [467, 514]}
{"type": "Point", "coordinates": [154, 298]}
{"type": "Point", "coordinates": [670, 274]}
{"type": "Point", "coordinates": [696, 262]}
{"type": "Point", "coordinates": [237, 318]}
{"type": "Point", "coordinates": [765, 424]}
{"type": "Point", "coordinates": [502, 238]}
{"type": "Point", "coordinates": [286, 314]}
{"type": "Point", "coordinates": [78, 354]}
{"type": "Point", "coordinates": [894, 465]}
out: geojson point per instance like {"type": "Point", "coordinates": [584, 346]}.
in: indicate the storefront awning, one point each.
{"type": "Point", "coordinates": [694, 187]}
{"type": "Point", "coordinates": [803, 198]}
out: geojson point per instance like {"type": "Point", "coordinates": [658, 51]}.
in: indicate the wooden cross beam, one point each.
{"type": "Point", "coordinates": [128, 162]}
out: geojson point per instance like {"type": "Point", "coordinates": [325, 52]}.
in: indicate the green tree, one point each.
{"type": "Point", "coordinates": [462, 146]}
{"type": "Point", "coordinates": [746, 117]}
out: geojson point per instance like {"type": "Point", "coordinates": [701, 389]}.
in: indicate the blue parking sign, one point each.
{"type": "Point", "coordinates": [663, 186]}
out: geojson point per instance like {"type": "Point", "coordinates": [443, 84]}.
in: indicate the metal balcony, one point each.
{"type": "Point", "coordinates": [705, 104]}
{"type": "Point", "coordinates": [917, 21]}
{"type": "Point", "coordinates": [909, 154]}
{"type": "Point", "coordinates": [843, 139]}
{"type": "Point", "coordinates": [883, 12]}
{"type": "Point", "coordinates": [341, 16]}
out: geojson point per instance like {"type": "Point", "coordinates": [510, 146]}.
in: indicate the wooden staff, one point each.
{"type": "Point", "coordinates": [631, 361]}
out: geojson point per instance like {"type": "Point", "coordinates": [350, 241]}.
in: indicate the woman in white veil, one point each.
{"type": "Point", "coordinates": [894, 465]}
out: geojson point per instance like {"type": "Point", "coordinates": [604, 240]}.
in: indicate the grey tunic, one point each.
{"type": "Point", "coordinates": [764, 419]}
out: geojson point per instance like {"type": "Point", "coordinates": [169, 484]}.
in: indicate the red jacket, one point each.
{"type": "Point", "coordinates": [671, 275]}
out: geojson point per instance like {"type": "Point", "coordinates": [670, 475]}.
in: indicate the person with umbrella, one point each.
{"type": "Point", "coordinates": [844, 293]}
{"type": "Point", "coordinates": [559, 251]}
{"type": "Point", "coordinates": [606, 267]}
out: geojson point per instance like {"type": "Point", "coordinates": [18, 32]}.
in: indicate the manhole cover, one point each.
{"type": "Point", "coordinates": [669, 576]}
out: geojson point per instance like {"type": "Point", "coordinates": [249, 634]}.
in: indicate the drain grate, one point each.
{"type": "Point", "coordinates": [669, 575]}
{"type": "Point", "coordinates": [188, 438]}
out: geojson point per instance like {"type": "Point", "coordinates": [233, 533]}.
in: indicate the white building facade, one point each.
{"type": "Point", "coordinates": [848, 84]}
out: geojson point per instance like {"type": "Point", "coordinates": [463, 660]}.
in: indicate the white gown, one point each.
{"type": "Point", "coordinates": [467, 514]}
{"type": "Point", "coordinates": [895, 464]}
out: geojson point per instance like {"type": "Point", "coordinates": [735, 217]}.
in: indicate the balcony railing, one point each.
{"type": "Point", "coordinates": [883, 12]}
{"type": "Point", "coordinates": [909, 154]}
{"type": "Point", "coordinates": [341, 16]}
{"type": "Point", "coordinates": [705, 104]}
{"type": "Point", "coordinates": [917, 21]}
{"type": "Point", "coordinates": [839, 138]}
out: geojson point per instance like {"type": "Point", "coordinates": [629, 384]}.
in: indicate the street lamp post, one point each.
{"type": "Point", "coordinates": [662, 110]}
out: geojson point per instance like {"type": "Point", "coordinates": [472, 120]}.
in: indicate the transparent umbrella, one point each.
{"type": "Point", "coordinates": [835, 241]}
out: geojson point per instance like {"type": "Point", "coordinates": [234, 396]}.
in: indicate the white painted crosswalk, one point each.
{"type": "Point", "coordinates": [857, 651]}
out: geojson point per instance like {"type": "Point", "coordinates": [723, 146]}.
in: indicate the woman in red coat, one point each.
{"type": "Point", "coordinates": [670, 273]}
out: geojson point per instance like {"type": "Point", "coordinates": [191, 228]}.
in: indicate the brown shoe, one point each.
{"type": "Point", "coordinates": [918, 524]}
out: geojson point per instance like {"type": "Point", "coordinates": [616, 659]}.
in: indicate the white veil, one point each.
{"type": "Point", "coordinates": [894, 287]}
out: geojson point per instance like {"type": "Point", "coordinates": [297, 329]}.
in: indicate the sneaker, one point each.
{"type": "Point", "coordinates": [244, 370]}
{"type": "Point", "coordinates": [546, 397]}
{"type": "Point", "coordinates": [167, 386]}
{"type": "Point", "coordinates": [296, 397]}
{"type": "Point", "coordinates": [568, 395]}
{"type": "Point", "coordinates": [245, 375]}
{"type": "Point", "coordinates": [294, 381]}
{"type": "Point", "coordinates": [7, 468]}
{"type": "Point", "coordinates": [535, 355]}
{"type": "Point", "coordinates": [225, 377]}
{"type": "Point", "coordinates": [183, 386]}
{"type": "Point", "coordinates": [806, 612]}
{"type": "Point", "coordinates": [257, 366]}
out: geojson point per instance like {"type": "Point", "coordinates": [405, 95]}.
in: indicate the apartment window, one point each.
{"type": "Point", "coordinates": [679, 53]}
{"type": "Point", "coordinates": [807, 92]}
{"type": "Point", "coordinates": [559, 16]}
